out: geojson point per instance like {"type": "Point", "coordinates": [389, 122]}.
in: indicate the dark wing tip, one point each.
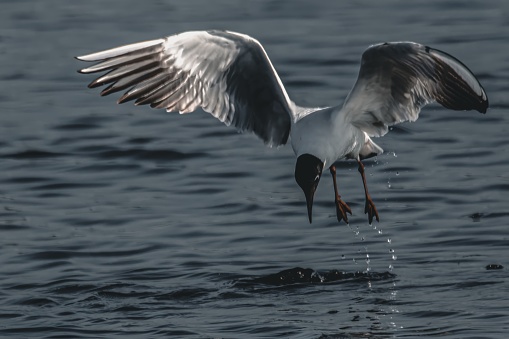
{"type": "Point", "coordinates": [461, 91]}
{"type": "Point", "coordinates": [124, 99]}
{"type": "Point", "coordinates": [95, 84]}
{"type": "Point", "coordinates": [483, 108]}
{"type": "Point", "coordinates": [480, 103]}
{"type": "Point", "coordinates": [80, 71]}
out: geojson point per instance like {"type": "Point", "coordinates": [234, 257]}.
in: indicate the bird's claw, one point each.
{"type": "Point", "coordinates": [341, 209]}
{"type": "Point", "coordinates": [370, 210]}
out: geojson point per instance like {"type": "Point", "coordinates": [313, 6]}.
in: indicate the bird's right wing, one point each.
{"type": "Point", "coordinates": [227, 74]}
{"type": "Point", "coordinates": [397, 79]}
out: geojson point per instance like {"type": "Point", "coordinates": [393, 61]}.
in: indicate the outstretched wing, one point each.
{"type": "Point", "coordinates": [227, 74]}
{"type": "Point", "coordinates": [397, 79]}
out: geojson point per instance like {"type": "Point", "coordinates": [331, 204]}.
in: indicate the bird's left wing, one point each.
{"type": "Point", "coordinates": [397, 79]}
{"type": "Point", "coordinates": [227, 74]}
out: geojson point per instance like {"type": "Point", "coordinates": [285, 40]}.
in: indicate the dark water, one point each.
{"type": "Point", "coordinates": [126, 222]}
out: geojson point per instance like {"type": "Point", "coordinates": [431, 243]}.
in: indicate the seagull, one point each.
{"type": "Point", "coordinates": [230, 76]}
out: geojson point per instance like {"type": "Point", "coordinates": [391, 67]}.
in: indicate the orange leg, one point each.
{"type": "Point", "coordinates": [370, 208]}
{"type": "Point", "coordinates": [341, 206]}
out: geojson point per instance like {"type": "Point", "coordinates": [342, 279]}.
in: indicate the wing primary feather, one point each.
{"type": "Point", "coordinates": [172, 98]}
{"type": "Point", "coordinates": [117, 62]}
{"type": "Point", "coordinates": [144, 88]}
{"type": "Point", "coordinates": [161, 92]}
{"type": "Point", "coordinates": [128, 82]}
{"type": "Point", "coordinates": [119, 73]}
{"type": "Point", "coordinates": [131, 49]}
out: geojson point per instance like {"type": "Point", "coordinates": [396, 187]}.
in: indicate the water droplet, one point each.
{"type": "Point", "coordinates": [394, 257]}
{"type": "Point", "coordinates": [343, 257]}
{"type": "Point", "coordinates": [391, 251]}
{"type": "Point", "coordinates": [380, 231]}
{"type": "Point", "coordinates": [397, 173]}
{"type": "Point", "coordinates": [389, 240]}
{"type": "Point", "coordinates": [391, 267]}
{"type": "Point", "coordinates": [363, 238]}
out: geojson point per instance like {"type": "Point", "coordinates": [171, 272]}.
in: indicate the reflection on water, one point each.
{"type": "Point", "coordinates": [121, 221]}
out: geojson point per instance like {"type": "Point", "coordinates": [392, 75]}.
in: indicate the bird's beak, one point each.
{"type": "Point", "coordinates": [308, 171]}
{"type": "Point", "coordinates": [310, 193]}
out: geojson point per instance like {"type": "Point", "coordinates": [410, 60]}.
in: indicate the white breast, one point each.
{"type": "Point", "coordinates": [327, 136]}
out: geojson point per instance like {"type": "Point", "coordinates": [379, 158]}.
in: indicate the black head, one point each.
{"type": "Point", "coordinates": [308, 171]}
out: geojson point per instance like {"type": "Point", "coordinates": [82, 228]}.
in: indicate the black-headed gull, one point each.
{"type": "Point", "coordinates": [230, 76]}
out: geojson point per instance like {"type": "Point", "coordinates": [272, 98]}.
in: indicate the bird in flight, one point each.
{"type": "Point", "coordinates": [230, 76]}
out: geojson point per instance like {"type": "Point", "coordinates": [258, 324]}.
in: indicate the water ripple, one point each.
{"type": "Point", "coordinates": [32, 154]}
{"type": "Point", "coordinates": [119, 221]}
{"type": "Point", "coordinates": [299, 275]}
{"type": "Point", "coordinates": [144, 154]}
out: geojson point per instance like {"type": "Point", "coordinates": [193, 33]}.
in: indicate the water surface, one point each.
{"type": "Point", "coordinates": [125, 222]}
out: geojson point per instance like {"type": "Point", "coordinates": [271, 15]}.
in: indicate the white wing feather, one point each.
{"type": "Point", "coordinates": [227, 74]}
{"type": "Point", "coordinates": [397, 79]}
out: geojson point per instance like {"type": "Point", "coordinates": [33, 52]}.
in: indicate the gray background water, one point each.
{"type": "Point", "coordinates": [125, 222]}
